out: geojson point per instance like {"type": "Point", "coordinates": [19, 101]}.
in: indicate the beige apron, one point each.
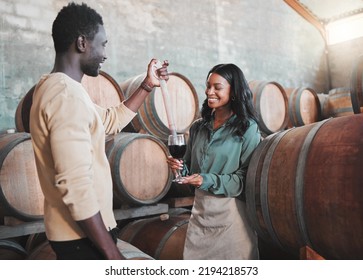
{"type": "Point", "coordinates": [219, 229]}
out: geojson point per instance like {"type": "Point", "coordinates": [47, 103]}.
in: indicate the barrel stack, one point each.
{"type": "Point", "coordinates": [304, 188]}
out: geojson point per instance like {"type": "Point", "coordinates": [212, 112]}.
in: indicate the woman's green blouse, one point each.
{"type": "Point", "coordinates": [220, 156]}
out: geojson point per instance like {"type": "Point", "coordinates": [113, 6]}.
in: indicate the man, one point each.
{"type": "Point", "coordinates": [68, 133]}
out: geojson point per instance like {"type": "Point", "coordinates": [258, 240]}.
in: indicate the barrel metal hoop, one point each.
{"type": "Point", "coordinates": [256, 158]}
{"type": "Point", "coordinates": [156, 123]}
{"type": "Point", "coordinates": [299, 120]}
{"type": "Point", "coordinates": [355, 101]}
{"type": "Point", "coordinates": [299, 181]}
{"type": "Point", "coordinates": [13, 246]}
{"type": "Point", "coordinates": [356, 85]}
{"type": "Point", "coordinates": [339, 111]}
{"type": "Point", "coordinates": [264, 186]}
{"type": "Point", "coordinates": [152, 128]}
{"type": "Point", "coordinates": [262, 124]}
{"type": "Point", "coordinates": [338, 94]}
{"type": "Point", "coordinates": [143, 222]}
{"type": "Point", "coordinates": [10, 146]}
{"type": "Point", "coordinates": [167, 236]}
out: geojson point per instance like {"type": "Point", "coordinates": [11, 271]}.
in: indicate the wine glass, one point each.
{"type": "Point", "coordinates": [177, 148]}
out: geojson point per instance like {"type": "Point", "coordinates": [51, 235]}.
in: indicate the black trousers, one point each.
{"type": "Point", "coordinates": [80, 249]}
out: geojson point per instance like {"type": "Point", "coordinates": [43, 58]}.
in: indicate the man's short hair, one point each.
{"type": "Point", "coordinates": [72, 21]}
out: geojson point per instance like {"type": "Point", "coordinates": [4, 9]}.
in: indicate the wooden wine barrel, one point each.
{"type": "Point", "coordinates": [152, 117]}
{"type": "Point", "coordinates": [11, 250]}
{"type": "Point", "coordinates": [270, 102]}
{"type": "Point", "coordinates": [304, 188]}
{"type": "Point", "coordinates": [339, 103]}
{"type": "Point", "coordinates": [20, 192]}
{"type": "Point", "coordinates": [356, 86]}
{"type": "Point", "coordinates": [45, 252]}
{"type": "Point", "coordinates": [303, 106]}
{"type": "Point", "coordinates": [163, 239]}
{"type": "Point", "coordinates": [103, 90]}
{"type": "Point", "coordinates": [323, 101]}
{"type": "Point", "coordinates": [22, 112]}
{"type": "Point", "coordinates": [140, 173]}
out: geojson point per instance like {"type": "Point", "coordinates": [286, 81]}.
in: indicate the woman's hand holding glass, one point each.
{"type": "Point", "coordinates": [177, 147]}
{"type": "Point", "coordinates": [176, 166]}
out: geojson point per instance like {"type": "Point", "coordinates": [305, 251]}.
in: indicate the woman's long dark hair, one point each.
{"type": "Point", "coordinates": [241, 98]}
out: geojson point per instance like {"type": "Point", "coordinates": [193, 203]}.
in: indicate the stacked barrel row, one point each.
{"type": "Point", "coordinates": [137, 155]}
{"type": "Point", "coordinates": [304, 184]}
{"type": "Point", "coordinates": [137, 158]}
{"type": "Point", "coordinates": [139, 169]}
{"type": "Point", "coordinates": [280, 108]}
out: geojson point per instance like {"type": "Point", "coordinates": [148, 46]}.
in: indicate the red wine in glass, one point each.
{"type": "Point", "coordinates": [177, 151]}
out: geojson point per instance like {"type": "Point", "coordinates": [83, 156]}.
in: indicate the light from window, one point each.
{"type": "Point", "coordinates": [344, 29]}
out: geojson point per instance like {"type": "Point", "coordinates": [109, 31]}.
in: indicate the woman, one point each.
{"type": "Point", "coordinates": [218, 152]}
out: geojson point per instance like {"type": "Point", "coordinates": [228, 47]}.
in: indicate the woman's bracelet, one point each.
{"type": "Point", "coordinates": [146, 87]}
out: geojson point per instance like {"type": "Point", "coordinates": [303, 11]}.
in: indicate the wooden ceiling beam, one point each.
{"type": "Point", "coordinates": [308, 15]}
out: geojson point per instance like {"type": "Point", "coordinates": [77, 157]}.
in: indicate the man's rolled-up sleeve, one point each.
{"type": "Point", "coordinates": [115, 118]}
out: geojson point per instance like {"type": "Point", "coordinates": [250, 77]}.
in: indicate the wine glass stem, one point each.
{"type": "Point", "coordinates": [177, 175]}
